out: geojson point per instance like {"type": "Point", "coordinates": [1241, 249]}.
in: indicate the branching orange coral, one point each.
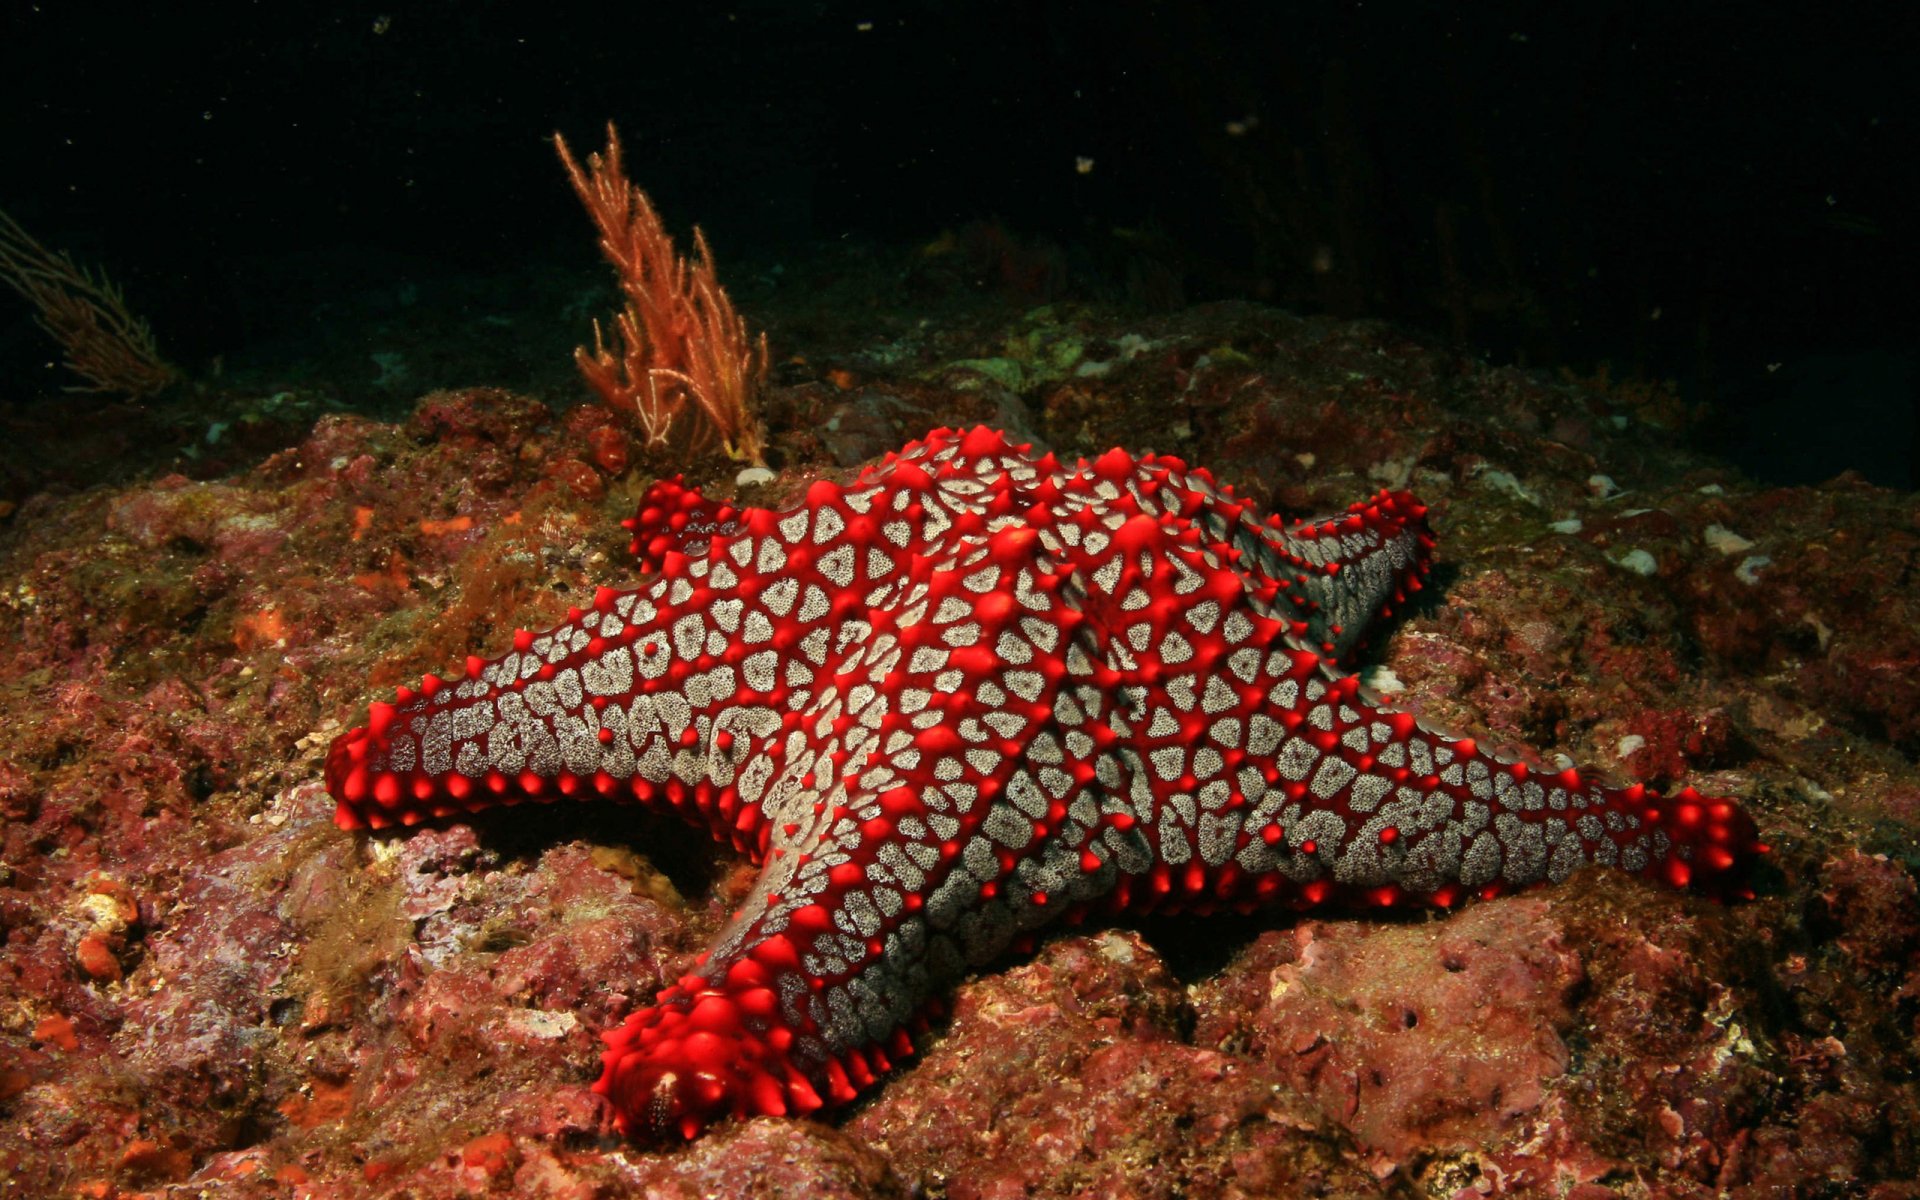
{"type": "Point", "coordinates": [105, 344]}
{"type": "Point", "coordinates": [678, 338]}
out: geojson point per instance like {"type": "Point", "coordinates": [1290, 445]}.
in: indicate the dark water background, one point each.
{"type": "Point", "coordinates": [1718, 195]}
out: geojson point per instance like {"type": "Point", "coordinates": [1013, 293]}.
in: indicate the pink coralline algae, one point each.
{"type": "Point", "coordinates": [969, 694]}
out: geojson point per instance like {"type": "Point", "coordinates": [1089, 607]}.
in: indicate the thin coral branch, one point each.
{"type": "Point", "coordinates": [625, 380]}
{"type": "Point", "coordinates": [104, 343]}
{"type": "Point", "coordinates": [678, 337]}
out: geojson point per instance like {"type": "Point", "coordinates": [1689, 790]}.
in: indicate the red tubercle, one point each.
{"type": "Point", "coordinates": [707, 1050]}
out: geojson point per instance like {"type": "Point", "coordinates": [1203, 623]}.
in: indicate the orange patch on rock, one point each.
{"type": "Point", "coordinates": [146, 1157]}
{"type": "Point", "coordinates": [491, 1153]}
{"type": "Point", "coordinates": [96, 958]}
{"type": "Point", "coordinates": [264, 628]}
{"type": "Point", "coordinates": [56, 1031]}
{"type": "Point", "coordinates": [459, 524]}
{"type": "Point", "coordinates": [327, 1103]}
{"type": "Point", "coordinates": [396, 575]}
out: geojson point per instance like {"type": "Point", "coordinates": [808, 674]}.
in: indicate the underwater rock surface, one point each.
{"type": "Point", "coordinates": [205, 982]}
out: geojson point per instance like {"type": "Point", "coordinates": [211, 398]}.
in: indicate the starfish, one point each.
{"type": "Point", "coordinates": [967, 695]}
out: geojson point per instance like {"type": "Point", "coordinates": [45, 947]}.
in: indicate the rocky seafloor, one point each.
{"type": "Point", "coordinates": [206, 989]}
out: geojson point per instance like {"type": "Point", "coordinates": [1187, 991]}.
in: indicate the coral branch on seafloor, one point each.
{"type": "Point", "coordinates": [678, 338]}
{"type": "Point", "coordinates": [105, 344]}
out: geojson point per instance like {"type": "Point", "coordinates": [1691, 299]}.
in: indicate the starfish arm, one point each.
{"type": "Point", "coordinates": [666, 695]}
{"type": "Point", "coordinates": [1345, 572]}
{"type": "Point", "coordinates": [1359, 800]}
{"type": "Point", "coordinates": [674, 518]}
{"type": "Point", "coordinates": [1258, 772]}
{"type": "Point", "coordinates": [912, 834]}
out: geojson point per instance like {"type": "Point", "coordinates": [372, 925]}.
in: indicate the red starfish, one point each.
{"type": "Point", "coordinates": [963, 696]}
